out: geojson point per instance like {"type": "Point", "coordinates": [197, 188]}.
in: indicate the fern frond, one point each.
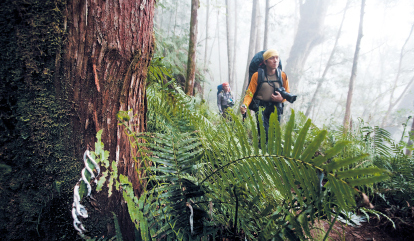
{"type": "Point", "coordinates": [266, 186]}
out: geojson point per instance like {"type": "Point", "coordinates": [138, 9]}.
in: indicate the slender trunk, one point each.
{"type": "Point", "coordinates": [206, 46]}
{"type": "Point", "coordinates": [169, 25]}
{"type": "Point", "coordinates": [391, 103]}
{"type": "Point", "coordinates": [191, 63]}
{"type": "Point", "coordinates": [161, 18]}
{"type": "Point", "coordinates": [229, 46]}
{"type": "Point", "coordinates": [308, 35]}
{"type": "Point", "coordinates": [207, 36]}
{"type": "Point", "coordinates": [328, 65]}
{"type": "Point", "coordinates": [218, 44]}
{"type": "Point", "coordinates": [175, 18]}
{"type": "Point", "coordinates": [251, 45]}
{"type": "Point", "coordinates": [258, 46]}
{"type": "Point", "coordinates": [347, 117]}
{"type": "Point", "coordinates": [266, 25]}
{"type": "Point", "coordinates": [214, 41]}
{"type": "Point", "coordinates": [235, 51]}
{"type": "Point", "coordinates": [410, 141]}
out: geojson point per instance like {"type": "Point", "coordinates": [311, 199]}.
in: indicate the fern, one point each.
{"type": "Point", "coordinates": [273, 189]}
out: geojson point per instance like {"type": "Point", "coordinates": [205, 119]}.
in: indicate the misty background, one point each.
{"type": "Point", "coordinates": [383, 91]}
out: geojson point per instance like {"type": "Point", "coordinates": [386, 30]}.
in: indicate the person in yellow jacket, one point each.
{"type": "Point", "coordinates": [263, 93]}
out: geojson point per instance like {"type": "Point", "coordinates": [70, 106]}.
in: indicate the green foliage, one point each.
{"type": "Point", "coordinates": [220, 166]}
{"type": "Point", "coordinates": [394, 196]}
{"type": "Point", "coordinates": [220, 180]}
{"type": "Point", "coordinates": [214, 180]}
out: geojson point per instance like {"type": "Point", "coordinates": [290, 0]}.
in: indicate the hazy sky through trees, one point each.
{"type": "Point", "coordinates": [387, 24]}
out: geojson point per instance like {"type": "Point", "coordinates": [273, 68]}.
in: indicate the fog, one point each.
{"type": "Point", "coordinates": [382, 74]}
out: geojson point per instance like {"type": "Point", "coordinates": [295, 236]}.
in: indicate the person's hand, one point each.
{"type": "Point", "coordinates": [243, 109]}
{"type": "Point", "coordinates": [276, 97]}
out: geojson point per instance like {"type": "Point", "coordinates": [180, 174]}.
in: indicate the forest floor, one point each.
{"type": "Point", "coordinates": [368, 231]}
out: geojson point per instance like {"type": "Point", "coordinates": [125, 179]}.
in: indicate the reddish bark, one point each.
{"type": "Point", "coordinates": [191, 63]}
{"type": "Point", "coordinates": [109, 48]}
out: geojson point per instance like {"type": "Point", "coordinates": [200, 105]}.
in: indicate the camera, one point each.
{"type": "Point", "coordinates": [230, 102]}
{"type": "Point", "coordinates": [286, 95]}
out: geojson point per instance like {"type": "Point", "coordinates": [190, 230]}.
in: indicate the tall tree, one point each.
{"type": "Point", "coordinates": [328, 65]}
{"type": "Point", "coordinates": [80, 63]}
{"type": "Point", "coordinates": [410, 140]}
{"type": "Point", "coordinates": [235, 50]}
{"type": "Point", "coordinates": [206, 44]}
{"type": "Point", "coordinates": [229, 46]}
{"type": "Point", "coordinates": [251, 44]}
{"type": "Point", "coordinates": [218, 44]}
{"type": "Point", "coordinates": [258, 44]}
{"type": "Point", "coordinates": [308, 35]}
{"type": "Point", "coordinates": [191, 63]}
{"type": "Point", "coordinates": [347, 116]}
{"type": "Point", "coordinates": [207, 35]}
{"type": "Point", "coordinates": [266, 25]}
{"type": "Point", "coordinates": [393, 102]}
{"type": "Point", "coordinates": [118, 47]}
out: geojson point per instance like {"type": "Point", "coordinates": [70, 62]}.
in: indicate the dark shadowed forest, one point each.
{"type": "Point", "coordinates": [206, 120]}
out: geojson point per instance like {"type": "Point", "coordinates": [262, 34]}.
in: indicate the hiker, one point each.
{"type": "Point", "coordinates": [262, 89]}
{"type": "Point", "coordinates": [224, 99]}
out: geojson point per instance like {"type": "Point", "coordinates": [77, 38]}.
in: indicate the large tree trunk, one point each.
{"type": "Point", "coordinates": [70, 67]}
{"type": "Point", "coordinates": [354, 70]}
{"type": "Point", "coordinates": [110, 45]}
{"type": "Point", "coordinates": [229, 47]}
{"type": "Point", "coordinates": [392, 103]}
{"type": "Point", "coordinates": [191, 63]}
{"type": "Point", "coordinates": [309, 35]}
{"type": "Point", "coordinates": [328, 65]}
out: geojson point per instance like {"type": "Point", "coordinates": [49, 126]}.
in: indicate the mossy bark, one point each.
{"type": "Point", "coordinates": [67, 67]}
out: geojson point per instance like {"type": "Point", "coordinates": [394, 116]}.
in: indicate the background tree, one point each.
{"type": "Point", "coordinates": [266, 25]}
{"type": "Point", "coordinates": [408, 151]}
{"type": "Point", "coordinates": [251, 44]}
{"type": "Point", "coordinates": [308, 35]}
{"type": "Point", "coordinates": [206, 44]}
{"type": "Point", "coordinates": [354, 69]}
{"type": "Point", "coordinates": [229, 46]}
{"type": "Point", "coordinates": [218, 45]}
{"type": "Point", "coordinates": [393, 102]}
{"type": "Point", "coordinates": [235, 49]}
{"type": "Point", "coordinates": [191, 63]}
{"type": "Point", "coordinates": [259, 33]}
{"type": "Point", "coordinates": [328, 65]}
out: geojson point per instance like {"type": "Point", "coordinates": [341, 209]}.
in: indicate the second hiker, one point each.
{"type": "Point", "coordinates": [224, 99]}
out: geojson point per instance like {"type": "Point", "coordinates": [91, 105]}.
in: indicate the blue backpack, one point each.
{"type": "Point", "coordinates": [219, 88]}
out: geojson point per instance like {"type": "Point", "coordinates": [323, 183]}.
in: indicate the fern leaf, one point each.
{"type": "Point", "coordinates": [301, 140]}
{"type": "Point", "coordinates": [288, 135]}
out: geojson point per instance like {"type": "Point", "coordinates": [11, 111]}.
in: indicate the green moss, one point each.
{"type": "Point", "coordinates": [35, 124]}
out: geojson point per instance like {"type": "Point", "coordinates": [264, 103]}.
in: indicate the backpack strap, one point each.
{"type": "Point", "coordinates": [260, 80]}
